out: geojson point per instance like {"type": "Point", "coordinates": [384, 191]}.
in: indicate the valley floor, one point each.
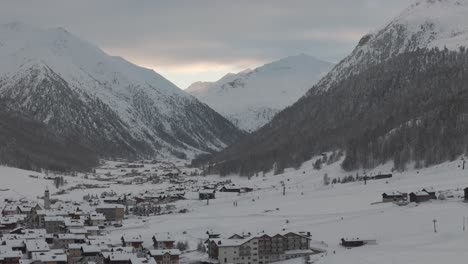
{"type": "Point", "coordinates": [404, 234]}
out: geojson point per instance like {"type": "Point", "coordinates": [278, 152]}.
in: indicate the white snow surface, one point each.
{"type": "Point", "coordinates": [404, 234]}
{"type": "Point", "coordinates": [251, 98]}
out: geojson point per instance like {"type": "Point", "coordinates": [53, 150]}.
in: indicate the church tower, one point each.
{"type": "Point", "coordinates": [47, 199]}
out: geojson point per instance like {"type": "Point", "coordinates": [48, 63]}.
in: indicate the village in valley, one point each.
{"type": "Point", "coordinates": [169, 213]}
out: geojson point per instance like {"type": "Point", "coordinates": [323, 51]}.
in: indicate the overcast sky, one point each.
{"type": "Point", "coordinates": [193, 40]}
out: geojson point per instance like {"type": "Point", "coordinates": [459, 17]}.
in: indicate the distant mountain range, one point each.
{"type": "Point", "coordinates": [251, 98]}
{"type": "Point", "coordinates": [400, 96]}
{"type": "Point", "coordinates": [103, 103]}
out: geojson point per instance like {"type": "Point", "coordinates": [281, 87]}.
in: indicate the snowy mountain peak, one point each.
{"type": "Point", "coordinates": [252, 97]}
{"type": "Point", "coordinates": [105, 101]}
{"type": "Point", "coordinates": [425, 24]}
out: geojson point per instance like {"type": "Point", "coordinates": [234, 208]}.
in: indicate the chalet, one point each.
{"type": "Point", "coordinates": [352, 243]}
{"type": "Point", "coordinates": [63, 240]}
{"type": "Point", "coordinates": [10, 210]}
{"type": "Point", "coordinates": [236, 189]}
{"type": "Point", "coordinates": [9, 256]}
{"type": "Point", "coordinates": [357, 242]}
{"type": "Point", "coordinates": [36, 246]}
{"type": "Point", "coordinates": [206, 195]}
{"type": "Point", "coordinates": [394, 197]}
{"type": "Point", "coordinates": [15, 245]}
{"type": "Point", "coordinates": [7, 224]}
{"type": "Point", "coordinates": [165, 256]}
{"type": "Point", "coordinates": [74, 252]}
{"type": "Point", "coordinates": [431, 194]}
{"type": "Point", "coordinates": [163, 242]}
{"type": "Point", "coordinates": [56, 256]}
{"type": "Point", "coordinates": [112, 212]}
{"type": "Point", "coordinates": [96, 219]}
{"type": "Point", "coordinates": [132, 241]}
{"type": "Point", "coordinates": [54, 224]}
{"type": "Point", "coordinates": [92, 230]}
{"type": "Point", "coordinates": [419, 197]}
{"type": "Point", "coordinates": [26, 209]}
{"type": "Point", "coordinates": [90, 253]}
{"type": "Point", "coordinates": [119, 255]}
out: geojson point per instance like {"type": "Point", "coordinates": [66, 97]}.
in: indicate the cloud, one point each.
{"type": "Point", "coordinates": [182, 36]}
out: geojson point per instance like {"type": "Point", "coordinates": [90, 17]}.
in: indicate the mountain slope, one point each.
{"type": "Point", "coordinates": [106, 103]}
{"type": "Point", "coordinates": [31, 145]}
{"type": "Point", "coordinates": [425, 24]}
{"type": "Point", "coordinates": [251, 98]}
{"type": "Point", "coordinates": [409, 105]}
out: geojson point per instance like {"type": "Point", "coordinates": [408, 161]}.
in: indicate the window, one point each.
{"type": "Point", "coordinates": [225, 260]}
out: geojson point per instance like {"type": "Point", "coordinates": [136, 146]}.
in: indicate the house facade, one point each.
{"type": "Point", "coordinates": [261, 249]}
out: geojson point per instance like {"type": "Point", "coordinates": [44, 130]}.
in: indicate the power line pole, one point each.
{"type": "Point", "coordinates": [463, 224]}
{"type": "Point", "coordinates": [435, 227]}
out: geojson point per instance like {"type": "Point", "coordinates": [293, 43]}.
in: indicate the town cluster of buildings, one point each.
{"type": "Point", "coordinates": [35, 234]}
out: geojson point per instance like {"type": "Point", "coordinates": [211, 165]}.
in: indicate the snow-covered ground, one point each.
{"type": "Point", "coordinates": [404, 233]}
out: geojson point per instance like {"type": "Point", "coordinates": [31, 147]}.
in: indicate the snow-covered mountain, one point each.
{"type": "Point", "coordinates": [400, 96]}
{"type": "Point", "coordinates": [102, 101]}
{"type": "Point", "coordinates": [425, 24]}
{"type": "Point", "coordinates": [251, 98]}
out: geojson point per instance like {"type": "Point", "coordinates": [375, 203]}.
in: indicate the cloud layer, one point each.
{"type": "Point", "coordinates": [206, 38]}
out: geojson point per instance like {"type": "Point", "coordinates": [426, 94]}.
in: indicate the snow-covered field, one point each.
{"type": "Point", "coordinates": [404, 233]}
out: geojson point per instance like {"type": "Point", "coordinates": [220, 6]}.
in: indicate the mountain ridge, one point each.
{"type": "Point", "coordinates": [105, 102]}
{"type": "Point", "coordinates": [390, 99]}
{"type": "Point", "coordinates": [250, 98]}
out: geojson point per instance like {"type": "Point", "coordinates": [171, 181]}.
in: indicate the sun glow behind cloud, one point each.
{"type": "Point", "coordinates": [184, 73]}
{"type": "Point", "coordinates": [188, 41]}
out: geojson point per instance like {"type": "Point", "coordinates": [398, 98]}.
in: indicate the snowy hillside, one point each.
{"type": "Point", "coordinates": [425, 24]}
{"type": "Point", "coordinates": [251, 98]}
{"type": "Point", "coordinates": [117, 108]}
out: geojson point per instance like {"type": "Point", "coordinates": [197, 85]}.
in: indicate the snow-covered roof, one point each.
{"type": "Point", "coordinates": [70, 236]}
{"type": "Point", "coordinates": [92, 248]}
{"type": "Point", "coordinates": [10, 254]}
{"type": "Point", "coordinates": [54, 219]}
{"type": "Point", "coordinates": [50, 256]}
{"type": "Point", "coordinates": [75, 246]}
{"type": "Point", "coordinates": [36, 245]}
{"type": "Point", "coordinates": [221, 242]}
{"type": "Point", "coordinates": [160, 252]}
{"type": "Point", "coordinates": [164, 237]}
